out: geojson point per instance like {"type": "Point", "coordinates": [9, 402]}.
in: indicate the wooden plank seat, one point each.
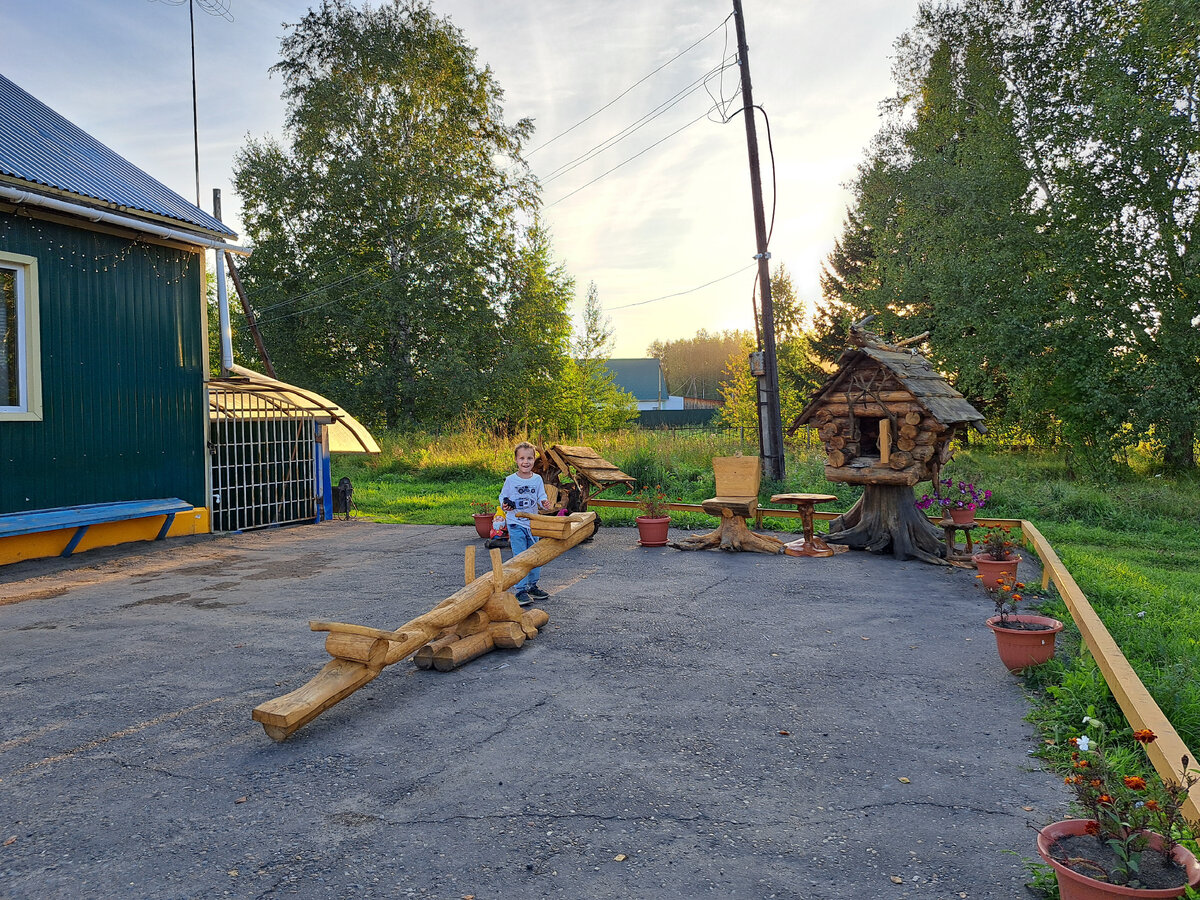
{"type": "Point", "coordinates": [737, 481]}
{"type": "Point", "coordinates": [81, 518]}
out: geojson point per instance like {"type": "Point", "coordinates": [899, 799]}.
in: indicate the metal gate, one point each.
{"type": "Point", "coordinates": [264, 469]}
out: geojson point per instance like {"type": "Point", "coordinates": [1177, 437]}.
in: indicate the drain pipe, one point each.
{"type": "Point", "coordinates": [92, 214]}
{"type": "Point", "coordinates": [222, 297]}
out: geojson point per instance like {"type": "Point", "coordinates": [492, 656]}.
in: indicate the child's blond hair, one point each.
{"type": "Point", "coordinates": [524, 445]}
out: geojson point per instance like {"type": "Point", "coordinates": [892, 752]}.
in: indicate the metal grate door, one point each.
{"type": "Point", "coordinates": [263, 459]}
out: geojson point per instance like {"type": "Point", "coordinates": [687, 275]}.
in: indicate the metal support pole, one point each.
{"type": "Point", "coordinates": [223, 298]}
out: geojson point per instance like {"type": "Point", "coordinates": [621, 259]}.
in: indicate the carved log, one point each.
{"type": "Point", "coordinates": [463, 651]}
{"type": "Point", "coordinates": [912, 418]}
{"type": "Point", "coordinates": [475, 622]}
{"type": "Point", "coordinates": [909, 431]}
{"type": "Point", "coordinates": [836, 458]}
{"type": "Point", "coordinates": [905, 444]}
{"type": "Point", "coordinates": [533, 620]}
{"type": "Point", "coordinates": [357, 648]}
{"type": "Point", "coordinates": [424, 657]}
{"type": "Point", "coordinates": [884, 396]}
{"type": "Point", "coordinates": [837, 442]}
{"type": "Point", "coordinates": [507, 635]}
{"type": "Point", "coordinates": [873, 410]}
{"type": "Point", "coordinates": [282, 716]}
{"type": "Point", "coordinates": [899, 460]}
{"type": "Point", "coordinates": [871, 475]}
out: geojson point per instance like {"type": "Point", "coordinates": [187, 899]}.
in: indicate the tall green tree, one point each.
{"type": "Point", "coordinates": [695, 366]}
{"type": "Point", "coordinates": [385, 227]}
{"type": "Point", "coordinates": [536, 336]}
{"type": "Point", "coordinates": [588, 398]}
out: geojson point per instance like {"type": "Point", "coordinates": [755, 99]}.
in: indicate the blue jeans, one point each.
{"type": "Point", "coordinates": [520, 540]}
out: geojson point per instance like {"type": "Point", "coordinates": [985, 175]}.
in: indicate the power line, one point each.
{"type": "Point", "coordinates": [628, 89]}
{"type": "Point", "coordinates": [703, 115]}
{"type": "Point", "coordinates": [633, 128]}
{"type": "Point", "coordinates": [688, 291]}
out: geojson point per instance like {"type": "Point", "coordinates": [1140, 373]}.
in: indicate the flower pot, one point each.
{"type": "Point", "coordinates": [1073, 885]}
{"type": "Point", "coordinates": [483, 524]}
{"type": "Point", "coordinates": [1019, 648]}
{"type": "Point", "coordinates": [652, 531]}
{"type": "Point", "coordinates": [962, 516]}
{"type": "Point", "coordinates": [990, 569]}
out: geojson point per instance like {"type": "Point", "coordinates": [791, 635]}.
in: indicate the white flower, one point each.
{"type": "Point", "coordinates": [1142, 614]}
{"type": "Point", "coordinates": [1084, 743]}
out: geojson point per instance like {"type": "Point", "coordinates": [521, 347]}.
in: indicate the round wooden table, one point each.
{"type": "Point", "coordinates": [810, 544]}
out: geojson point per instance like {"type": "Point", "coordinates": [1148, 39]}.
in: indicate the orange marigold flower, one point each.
{"type": "Point", "coordinates": [1135, 782]}
{"type": "Point", "coordinates": [1104, 799]}
{"type": "Point", "coordinates": [1152, 805]}
{"type": "Point", "coordinates": [1092, 827]}
{"type": "Point", "coordinates": [1082, 764]}
{"type": "Point", "coordinates": [1095, 782]}
{"type": "Point", "coordinates": [1145, 736]}
{"type": "Point", "coordinates": [1016, 598]}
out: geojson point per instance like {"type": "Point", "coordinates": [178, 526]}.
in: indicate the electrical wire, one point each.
{"type": "Point", "coordinates": [631, 129]}
{"type": "Point", "coordinates": [703, 115]}
{"type": "Point", "coordinates": [681, 293]}
{"type": "Point", "coordinates": [630, 88]}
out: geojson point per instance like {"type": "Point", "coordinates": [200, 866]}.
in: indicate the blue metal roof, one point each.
{"type": "Point", "coordinates": [640, 377]}
{"type": "Point", "coordinates": [40, 146]}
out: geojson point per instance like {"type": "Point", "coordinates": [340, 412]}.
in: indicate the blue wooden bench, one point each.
{"type": "Point", "coordinates": [83, 517]}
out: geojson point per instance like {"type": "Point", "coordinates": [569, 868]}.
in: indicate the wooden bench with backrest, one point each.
{"type": "Point", "coordinates": [737, 481]}
{"type": "Point", "coordinates": [83, 517]}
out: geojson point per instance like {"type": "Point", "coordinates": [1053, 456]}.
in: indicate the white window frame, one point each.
{"type": "Point", "coordinates": [29, 350]}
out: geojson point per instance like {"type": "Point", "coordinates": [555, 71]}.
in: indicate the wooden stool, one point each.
{"type": "Point", "coordinates": [949, 526]}
{"type": "Point", "coordinates": [810, 544]}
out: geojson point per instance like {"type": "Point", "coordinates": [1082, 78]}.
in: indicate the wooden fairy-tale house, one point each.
{"type": "Point", "coordinates": [103, 342]}
{"type": "Point", "coordinates": [886, 417]}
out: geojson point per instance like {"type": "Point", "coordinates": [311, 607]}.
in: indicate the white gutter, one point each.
{"type": "Point", "coordinates": [100, 215]}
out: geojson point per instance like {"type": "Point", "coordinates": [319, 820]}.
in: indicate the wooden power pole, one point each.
{"type": "Point", "coordinates": [770, 422]}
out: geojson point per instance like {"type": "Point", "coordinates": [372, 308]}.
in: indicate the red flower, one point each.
{"type": "Point", "coordinates": [1145, 736]}
{"type": "Point", "coordinates": [1152, 805]}
{"type": "Point", "coordinates": [1092, 827]}
{"type": "Point", "coordinates": [1135, 782]}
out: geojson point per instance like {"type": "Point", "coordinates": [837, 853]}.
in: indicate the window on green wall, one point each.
{"type": "Point", "coordinates": [20, 359]}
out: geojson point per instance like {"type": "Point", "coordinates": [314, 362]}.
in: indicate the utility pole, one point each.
{"type": "Point", "coordinates": [770, 422]}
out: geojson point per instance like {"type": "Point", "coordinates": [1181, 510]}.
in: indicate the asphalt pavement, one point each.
{"type": "Point", "coordinates": [688, 724]}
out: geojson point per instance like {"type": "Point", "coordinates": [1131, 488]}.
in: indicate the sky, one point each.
{"type": "Point", "coordinates": [658, 214]}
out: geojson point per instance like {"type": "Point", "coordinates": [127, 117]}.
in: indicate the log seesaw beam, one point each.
{"type": "Point", "coordinates": [361, 653]}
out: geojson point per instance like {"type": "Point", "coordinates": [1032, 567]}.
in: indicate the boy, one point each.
{"type": "Point", "coordinates": [523, 491]}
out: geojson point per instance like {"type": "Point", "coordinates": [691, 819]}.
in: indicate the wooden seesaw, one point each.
{"type": "Point", "coordinates": [474, 620]}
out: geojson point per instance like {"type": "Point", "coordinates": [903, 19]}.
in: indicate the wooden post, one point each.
{"type": "Point", "coordinates": [282, 716]}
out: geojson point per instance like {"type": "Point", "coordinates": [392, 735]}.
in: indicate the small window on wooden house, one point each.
{"type": "Point", "coordinates": [20, 357]}
{"type": "Point", "coordinates": [874, 438]}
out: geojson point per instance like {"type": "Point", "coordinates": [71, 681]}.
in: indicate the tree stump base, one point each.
{"type": "Point", "coordinates": [732, 534]}
{"type": "Point", "coordinates": [886, 517]}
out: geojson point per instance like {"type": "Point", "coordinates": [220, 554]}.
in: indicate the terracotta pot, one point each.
{"type": "Point", "coordinates": [652, 531]}
{"type": "Point", "coordinates": [1074, 886]}
{"type": "Point", "coordinates": [1019, 649]}
{"type": "Point", "coordinates": [483, 524]}
{"type": "Point", "coordinates": [992, 569]}
{"type": "Point", "coordinates": [962, 516]}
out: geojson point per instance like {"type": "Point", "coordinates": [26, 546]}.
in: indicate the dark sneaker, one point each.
{"type": "Point", "coordinates": [524, 599]}
{"type": "Point", "coordinates": [537, 593]}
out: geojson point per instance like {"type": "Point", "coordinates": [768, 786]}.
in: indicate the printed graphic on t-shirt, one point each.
{"type": "Point", "coordinates": [526, 498]}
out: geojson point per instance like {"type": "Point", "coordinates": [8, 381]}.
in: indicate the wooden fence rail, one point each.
{"type": "Point", "coordinates": [1136, 703]}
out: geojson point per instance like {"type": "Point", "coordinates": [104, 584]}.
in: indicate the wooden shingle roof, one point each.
{"type": "Point", "coordinates": [928, 387]}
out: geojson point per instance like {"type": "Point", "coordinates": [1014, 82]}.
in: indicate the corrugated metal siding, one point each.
{"type": "Point", "coordinates": [40, 146]}
{"type": "Point", "coordinates": [124, 406]}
